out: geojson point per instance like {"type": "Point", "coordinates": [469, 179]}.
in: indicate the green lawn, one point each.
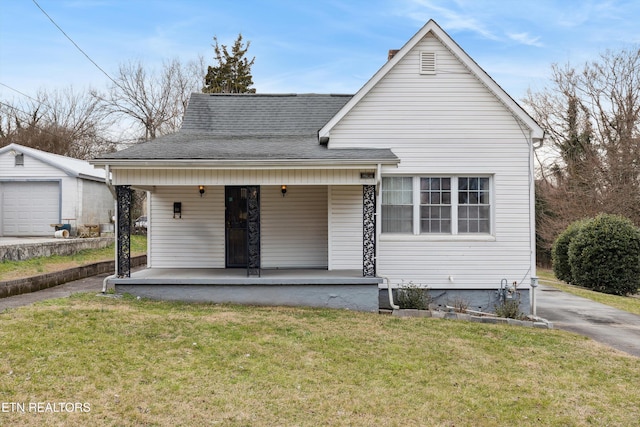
{"type": "Point", "coordinates": [630, 304]}
{"type": "Point", "coordinates": [32, 267]}
{"type": "Point", "coordinates": [136, 362]}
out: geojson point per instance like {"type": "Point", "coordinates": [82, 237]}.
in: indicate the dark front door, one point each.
{"type": "Point", "coordinates": [236, 226]}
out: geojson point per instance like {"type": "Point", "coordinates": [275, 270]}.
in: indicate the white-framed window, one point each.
{"type": "Point", "coordinates": [397, 204]}
{"type": "Point", "coordinates": [435, 205]}
{"type": "Point", "coordinates": [19, 159]}
{"type": "Point", "coordinates": [474, 207]}
{"type": "Point", "coordinates": [444, 205]}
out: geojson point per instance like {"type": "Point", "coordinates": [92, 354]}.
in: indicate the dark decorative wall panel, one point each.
{"type": "Point", "coordinates": [369, 230]}
{"type": "Point", "coordinates": [124, 195]}
{"type": "Point", "coordinates": [253, 231]}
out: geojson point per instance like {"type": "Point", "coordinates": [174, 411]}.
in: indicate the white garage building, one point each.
{"type": "Point", "coordinates": [38, 189]}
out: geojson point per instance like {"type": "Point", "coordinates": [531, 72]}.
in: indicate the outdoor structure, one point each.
{"type": "Point", "coordinates": [423, 177]}
{"type": "Point", "coordinates": [38, 189]}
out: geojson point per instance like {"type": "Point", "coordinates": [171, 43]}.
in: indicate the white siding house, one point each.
{"type": "Point", "coordinates": [38, 189]}
{"type": "Point", "coordinates": [424, 176]}
{"type": "Point", "coordinates": [451, 122]}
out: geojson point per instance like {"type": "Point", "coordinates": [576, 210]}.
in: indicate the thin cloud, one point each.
{"type": "Point", "coordinates": [525, 39]}
{"type": "Point", "coordinates": [450, 19]}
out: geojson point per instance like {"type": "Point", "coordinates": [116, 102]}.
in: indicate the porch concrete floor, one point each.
{"type": "Point", "coordinates": [238, 276]}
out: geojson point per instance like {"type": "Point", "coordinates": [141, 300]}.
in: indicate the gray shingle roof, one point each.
{"type": "Point", "coordinates": [260, 114]}
{"type": "Point", "coordinates": [236, 127]}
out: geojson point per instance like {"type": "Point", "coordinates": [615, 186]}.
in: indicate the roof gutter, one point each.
{"type": "Point", "coordinates": [245, 164]}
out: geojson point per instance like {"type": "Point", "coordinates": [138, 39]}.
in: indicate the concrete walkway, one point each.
{"type": "Point", "coordinates": [616, 328]}
{"type": "Point", "coordinates": [89, 284]}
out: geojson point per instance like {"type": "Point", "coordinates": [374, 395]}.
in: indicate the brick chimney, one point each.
{"type": "Point", "coordinates": [392, 53]}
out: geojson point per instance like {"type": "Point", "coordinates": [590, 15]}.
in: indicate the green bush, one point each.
{"type": "Point", "coordinates": [560, 250]}
{"type": "Point", "coordinates": [605, 255]}
{"type": "Point", "coordinates": [413, 296]}
{"type": "Point", "coordinates": [509, 309]}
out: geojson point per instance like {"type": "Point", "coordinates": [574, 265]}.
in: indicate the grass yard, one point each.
{"type": "Point", "coordinates": [136, 362]}
{"type": "Point", "coordinates": [630, 304]}
{"type": "Point", "coordinates": [18, 269]}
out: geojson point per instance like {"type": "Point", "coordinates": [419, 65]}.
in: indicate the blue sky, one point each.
{"type": "Point", "coordinates": [303, 46]}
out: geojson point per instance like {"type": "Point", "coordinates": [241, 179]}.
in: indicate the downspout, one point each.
{"type": "Point", "coordinates": [378, 225]}
{"type": "Point", "coordinates": [532, 219]}
{"type": "Point", "coordinates": [107, 180]}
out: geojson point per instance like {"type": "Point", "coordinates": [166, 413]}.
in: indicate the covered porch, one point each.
{"type": "Point", "coordinates": [346, 289]}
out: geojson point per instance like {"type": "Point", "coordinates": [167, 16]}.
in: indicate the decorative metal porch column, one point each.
{"type": "Point", "coordinates": [369, 230]}
{"type": "Point", "coordinates": [253, 231]}
{"type": "Point", "coordinates": [124, 195]}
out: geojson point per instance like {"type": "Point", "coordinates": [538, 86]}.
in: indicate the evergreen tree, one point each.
{"type": "Point", "coordinates": [232, 74]}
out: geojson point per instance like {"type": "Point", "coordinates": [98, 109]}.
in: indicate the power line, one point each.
{"type": "Point", "coordinates": [75, 44]}
{"type": "Point", "coordinates": [35, 125]}
{"type": "Point", "coordinates": [24, 94]}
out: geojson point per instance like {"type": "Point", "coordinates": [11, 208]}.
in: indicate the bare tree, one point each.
{"type": "Point", "coordinates": [591, 117]}
{"type": "Point", "coordinates": [63, 122]}
{"type": "Point", "coordinates": [155, 101]}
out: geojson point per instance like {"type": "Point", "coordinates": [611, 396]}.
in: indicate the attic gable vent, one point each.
{"type": "Point", "coordinates": [427, 62]}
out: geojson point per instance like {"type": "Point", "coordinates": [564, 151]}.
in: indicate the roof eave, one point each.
{"type": "Point", "coordinates": [245, 163]}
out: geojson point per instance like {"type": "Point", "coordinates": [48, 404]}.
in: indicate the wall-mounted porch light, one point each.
{"type": "Point", "coordinates": [283, 189]}
{"type": "Point", "coordinates": [201, 190]}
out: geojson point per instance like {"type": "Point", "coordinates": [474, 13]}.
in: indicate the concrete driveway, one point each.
{"type": "Point", "coordinates": [610, 326]}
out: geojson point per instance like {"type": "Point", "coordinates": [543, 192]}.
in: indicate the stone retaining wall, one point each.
{"type": "Point", "coordinates": [63, 247]}
{"type": "Point", "coordinates": [35, 283]}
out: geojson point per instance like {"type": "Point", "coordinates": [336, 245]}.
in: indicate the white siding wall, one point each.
{"type": "Point", "coordinates": [33, 168]}
{"type": "Point", "coordinates": [294, 227]}
{"type": "Point", "coordinates": [444, 124]}
{"type": "Point", "coordinates": [97, 205]}
{"type": "Point", "coordinates": [195, 241]}
{"type": "Point", "coordinates": [345, 227]}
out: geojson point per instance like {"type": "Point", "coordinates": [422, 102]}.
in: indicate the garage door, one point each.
{"type": "Point", "coordinates": [28, 208]}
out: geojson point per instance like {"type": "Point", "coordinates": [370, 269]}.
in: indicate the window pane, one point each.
{"type": "Point", "coordinates": [473, 183]}
{"type": "Point", "coordinates": [484, 212]}
{"type": "Point", "coordinates": [463, 184]}
{"type": "Point", "coordinates": [446, 183]}
{"type": "Point", "coordinates": [483, 198]}
{"type": "Point", "coordinates": [397, 219]}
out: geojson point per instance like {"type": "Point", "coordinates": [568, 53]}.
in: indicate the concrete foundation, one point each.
{"type": "Point", "coordinates": [352, 297]}
{"type": "Point", "coordinates": [345, 289]}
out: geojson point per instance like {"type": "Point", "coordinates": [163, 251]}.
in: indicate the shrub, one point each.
{"type": "Point", "coordinates": [605, 255]}
{"type": "Point", "coordinates": [509, 309]}
{"type": "Point", "coordinates": [413, 296]}
{"type": "Point", "coordinates": [560, 250]}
